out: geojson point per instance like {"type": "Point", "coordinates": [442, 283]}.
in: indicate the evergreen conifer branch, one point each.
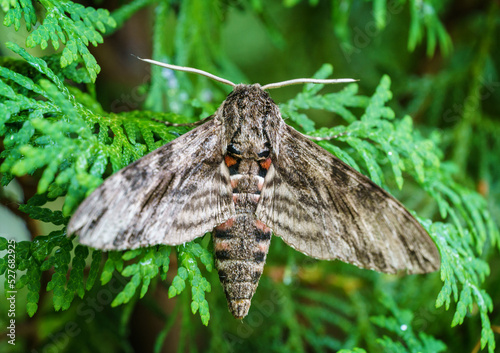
{"type": "Point", "coordinates": [424, 24]}
{"type": "Point", "coordinates": [74, 25]}
{"type": "Point", "coordinates": [399, 323]}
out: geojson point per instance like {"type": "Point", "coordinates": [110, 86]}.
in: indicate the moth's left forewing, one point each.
{"type": "Point", "coordinates": [170, 196]}
{"type": "Point", "coordinates": [327, 210]}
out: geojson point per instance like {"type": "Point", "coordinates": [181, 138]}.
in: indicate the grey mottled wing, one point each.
{"type": "Point", "coordinates": [170, 196]}
{"type": "Point", "coordinates": [327, 210]}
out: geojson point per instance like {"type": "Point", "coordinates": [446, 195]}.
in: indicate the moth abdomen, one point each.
{"type": "Point", "coordinates": [259, 257]}
{"type": "Point", "coordinates": [239, 258]}
{"type": "Point", "coordinates": [241, 243]}
{"type": "Point", "coordinates": [236, 271]}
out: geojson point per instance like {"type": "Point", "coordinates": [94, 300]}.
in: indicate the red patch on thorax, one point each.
{"type": "Point", "coordinates": [266, 163]}
{"type": "Point", "coordinates": [230, 161]}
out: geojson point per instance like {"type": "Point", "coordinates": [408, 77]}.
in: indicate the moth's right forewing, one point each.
{"type": "Point", "coordinates": [170, 196]}
{"type": "Point", "coordinates": [326, 209]}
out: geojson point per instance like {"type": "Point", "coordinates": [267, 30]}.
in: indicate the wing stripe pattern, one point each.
{"type": "Point", "coordinates": [170, 196]}
{"type": "Point", "coordinates": [325, 209]}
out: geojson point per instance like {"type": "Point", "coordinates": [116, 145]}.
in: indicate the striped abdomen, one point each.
{"type": "Point", "coordinates": [241, 244]}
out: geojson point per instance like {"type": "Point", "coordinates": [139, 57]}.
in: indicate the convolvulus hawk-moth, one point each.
{"type": "Point", "coordinates": [243, 175]}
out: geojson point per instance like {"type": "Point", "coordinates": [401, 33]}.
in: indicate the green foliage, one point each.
{"type": "Point", "coordinates": [399, 324]}
{"type": "Point", "coordinates": [462, 268]}
{"type": "Point", "coordinates": [188, 270]}
{"type": "Point", "coordinates": [54, 129]}
{"type": "Point", "coordinates": [355, 350]}
{"type": "Point", "coordinates": [424, 22]}
{"type": "Point", "coordinates": [153, 261]}
{"type": "Point", "coordinates": [51, 252]}
{"type": "Point", "coordinates": [74, 25]}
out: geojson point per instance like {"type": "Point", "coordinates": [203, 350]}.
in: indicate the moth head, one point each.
{"type": "Point", "coordinates": [249, 115]}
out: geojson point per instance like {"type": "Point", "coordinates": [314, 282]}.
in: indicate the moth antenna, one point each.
{"type": "Point", "coordinates": [188, 69]}
{"type": "Point", "coordinates": [307, 80]}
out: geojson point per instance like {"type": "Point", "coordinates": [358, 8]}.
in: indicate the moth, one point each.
{"type": "Point", "coordinates": [244, 175]}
